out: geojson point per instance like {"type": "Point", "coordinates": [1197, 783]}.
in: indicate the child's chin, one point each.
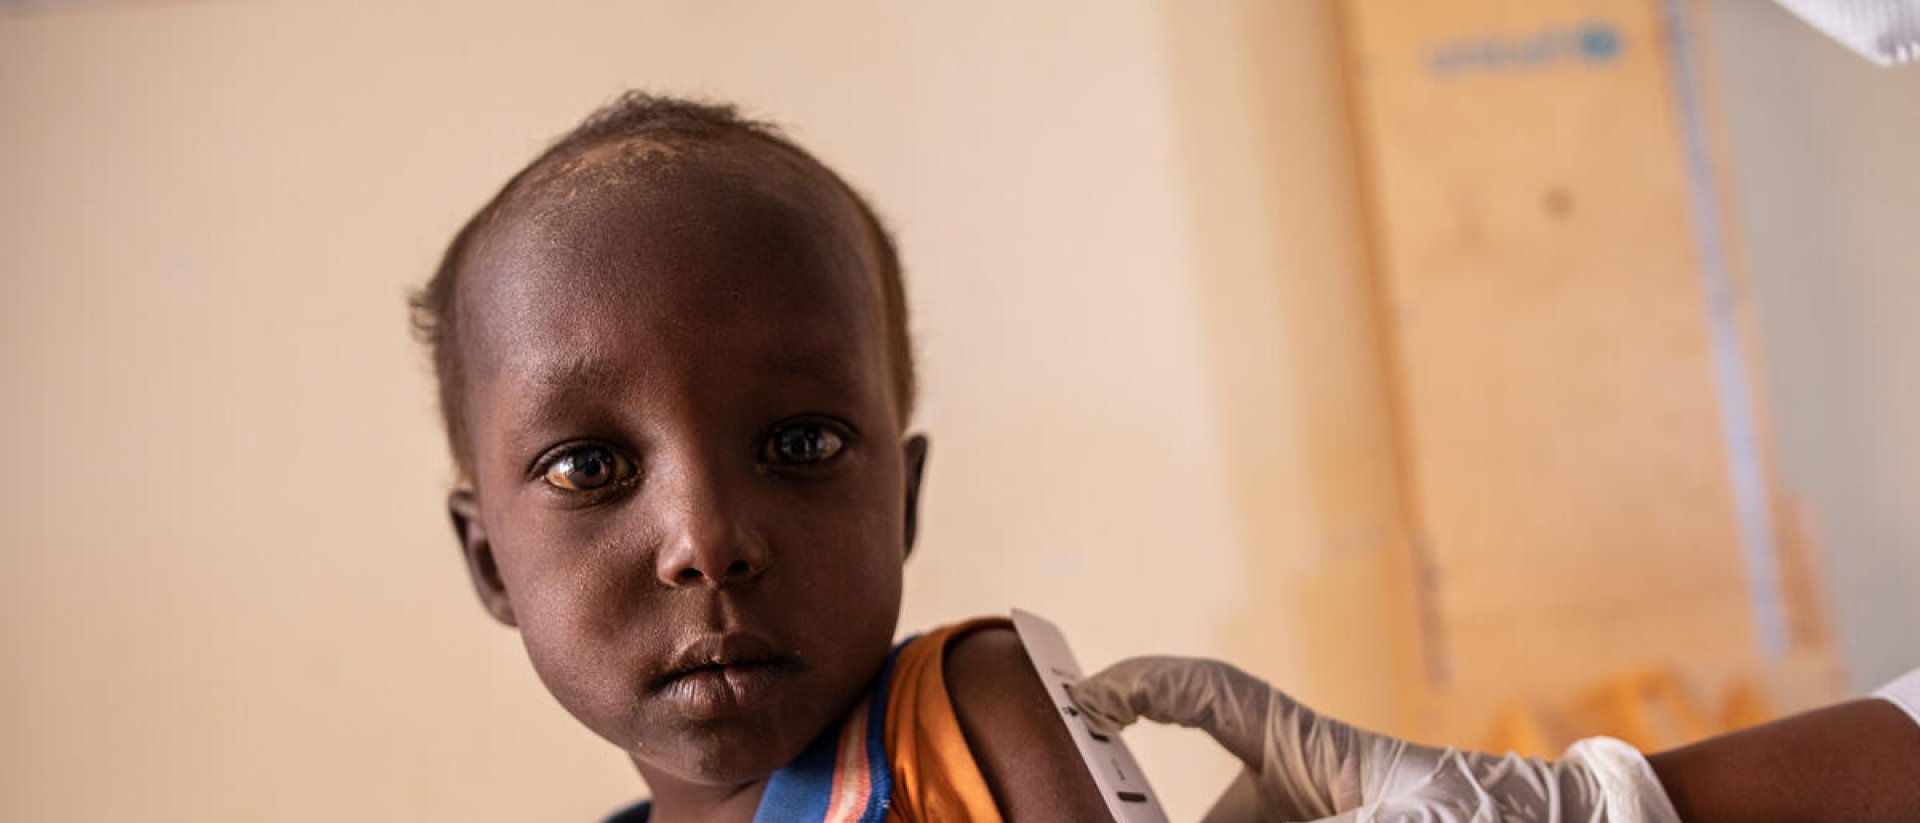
{"type": "Point", "coordinates": [726, 757]}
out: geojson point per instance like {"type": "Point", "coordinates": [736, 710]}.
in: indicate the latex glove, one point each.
{"type": "Point", "coordinates": [1305, 766]}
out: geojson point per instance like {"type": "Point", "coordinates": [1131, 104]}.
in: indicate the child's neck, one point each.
{"type": "Point", "coordinates": [680, 802]}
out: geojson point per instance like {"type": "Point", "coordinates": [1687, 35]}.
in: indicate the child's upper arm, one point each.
{"type": "Point", "coordinates": [1015, 733]}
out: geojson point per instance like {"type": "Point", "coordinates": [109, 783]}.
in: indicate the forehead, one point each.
{"type": "Point", "coordinates": [677, 250]}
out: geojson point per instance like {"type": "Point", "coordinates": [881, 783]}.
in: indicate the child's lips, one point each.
{"type": "Point", "coordinates": [718, 691]}
{"type": "Point", "coordinates": [714, 676]}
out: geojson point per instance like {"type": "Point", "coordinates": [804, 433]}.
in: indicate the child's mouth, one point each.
{"type": "Point", "coordinates": [716, 691]}
{"type": "Point", "coordinates": [718, 676]}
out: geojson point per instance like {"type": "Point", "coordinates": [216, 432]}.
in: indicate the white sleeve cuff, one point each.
{"type": "Point", "coordinates": [1905, 693]}
{"type": "Point", "coordinates": [1632, 791]}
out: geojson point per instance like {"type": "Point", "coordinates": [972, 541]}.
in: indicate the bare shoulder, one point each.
{"type": "Point", "coordinates": [1022, 748]}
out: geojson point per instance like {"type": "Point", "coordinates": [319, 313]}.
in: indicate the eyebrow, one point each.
{"type": "Point", "coordinates": [573, 372]}
{"type": "Point", "coordinates": [582, 371]}
{"type": "Point", "coordinates": [808, 362]}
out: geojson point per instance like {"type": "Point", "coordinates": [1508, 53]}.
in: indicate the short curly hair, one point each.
{"type": "Point", "coordinates": [665, 121]}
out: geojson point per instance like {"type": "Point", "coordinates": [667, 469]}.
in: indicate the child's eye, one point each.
{"type": "Point", "coordinates": [802, 444]}
{"type": "Point", "coordinates": [587, 468]}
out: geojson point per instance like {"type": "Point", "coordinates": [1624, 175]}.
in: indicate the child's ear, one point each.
{"type": "Point", "coordinates": [916, 451]}
{"type": "Point", "coordinates": [465, 511]}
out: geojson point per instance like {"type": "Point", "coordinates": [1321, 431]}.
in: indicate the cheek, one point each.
{"type": "Point", "coordinates": [847, 557]}
{"type": "Point", "coordinates": [582, 649]}
{"type": "Point", "coordinates": [576, 613]}
{"type": "Point", "coordinates": [858, 518]}
{"type": "Point", "coordinates": [578, 661]}
{"type": "Point", "coordinates": [875, 558]}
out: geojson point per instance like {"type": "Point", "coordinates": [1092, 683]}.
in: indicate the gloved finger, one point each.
{"type": "Point", "coordinates": [1197, 693]}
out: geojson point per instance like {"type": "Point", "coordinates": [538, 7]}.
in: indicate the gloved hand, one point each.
{"type": "Point", "coordinates": [1309, 767]}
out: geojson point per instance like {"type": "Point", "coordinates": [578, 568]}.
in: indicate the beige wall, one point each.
{"type": "Point", "coordinates": [228, 589]}
{"type": "Point", "coordinates": [1826, 161]}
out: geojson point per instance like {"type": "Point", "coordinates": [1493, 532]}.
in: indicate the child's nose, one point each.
{"type": "Point", "coordinates": [709, 545]}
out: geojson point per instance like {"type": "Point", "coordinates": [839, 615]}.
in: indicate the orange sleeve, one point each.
{"type": "Point", "coordinates": [934, 775]}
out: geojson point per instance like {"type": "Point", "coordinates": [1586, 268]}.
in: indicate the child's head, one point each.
{"type": "Point", "coordinates": [675, 375]}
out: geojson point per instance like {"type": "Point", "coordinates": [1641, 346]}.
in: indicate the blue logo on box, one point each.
{"type": "Point", "coordinates": [1589, 43]}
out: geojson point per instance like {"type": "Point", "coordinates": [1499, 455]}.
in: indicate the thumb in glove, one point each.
{"type": "Point", "coordinates": [1306, 765]}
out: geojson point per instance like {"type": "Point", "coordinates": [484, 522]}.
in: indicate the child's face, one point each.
{"type": "Point", "coordinates": [686, 453]}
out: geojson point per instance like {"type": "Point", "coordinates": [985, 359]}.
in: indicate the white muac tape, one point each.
{"type": "Point", "coordinates": [1114, 770]}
